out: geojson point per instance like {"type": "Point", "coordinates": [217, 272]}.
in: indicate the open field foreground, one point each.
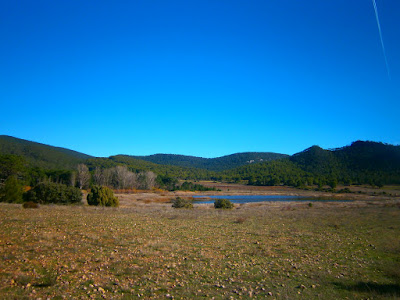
{"type": "Point", "coordinates": [282, 251]}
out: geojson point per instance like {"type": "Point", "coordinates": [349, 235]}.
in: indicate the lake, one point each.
{"type": "Point", "coordinates": [260, 198]}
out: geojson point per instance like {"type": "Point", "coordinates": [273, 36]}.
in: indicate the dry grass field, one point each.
{"type": "Point", "coordinates": [147, 249]}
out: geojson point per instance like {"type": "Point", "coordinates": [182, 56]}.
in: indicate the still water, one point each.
{"type": "Point", "coordinates": [260, 198]}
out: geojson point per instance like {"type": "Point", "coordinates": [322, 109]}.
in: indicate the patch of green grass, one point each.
{"type": "Point", "coordinates": [46, 278]}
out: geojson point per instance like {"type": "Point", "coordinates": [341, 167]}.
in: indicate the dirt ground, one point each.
{"type": "Point", "coordinates": [149, 250]}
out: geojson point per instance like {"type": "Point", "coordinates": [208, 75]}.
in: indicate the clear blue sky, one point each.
{"type": "Point", "coordinates": [203, 78]}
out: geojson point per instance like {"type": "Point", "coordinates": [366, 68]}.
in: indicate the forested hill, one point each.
{"type": "Point", "coordinates": [361, 162]}
{"type": "Point", "coordinates": [41, 155]}
{"type": "Point", "coordinates": [212, 164]}
{"type": "Point", "coordinates": [49, 157]}
{"type": "Point", "coordinates": [370, 156]}
{"type": "Point", "coordinates": [359, 156]}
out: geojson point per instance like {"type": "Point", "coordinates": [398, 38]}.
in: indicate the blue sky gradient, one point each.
{"type": "Point", "coordinates": [203, 78]}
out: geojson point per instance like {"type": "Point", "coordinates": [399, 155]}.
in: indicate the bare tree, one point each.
{"type": "Point", "coordinates": [108, 177]}
{"type": "Point", "coordinates": [150, 180]}
{"type": "Point", "coordinates": [122, 175]}
{"type": "Point", "coordinates": [121, 178]}
{"type": "Point", "coordinates": [132, 180]}
{"type": "Point", "coordinates": [83, 176]}
{"type": "Point", "coordinates": [98, 177]}
{"type": "Point", "coordinates": [146, 180]}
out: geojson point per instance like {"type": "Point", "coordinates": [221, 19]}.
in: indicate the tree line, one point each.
{"type": "Point", "coordinates": [118, 177]}
{"type": "Point", "coordinates": [360, 163]}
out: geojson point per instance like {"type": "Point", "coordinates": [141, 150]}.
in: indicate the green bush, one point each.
{"type": "Point", "coordinates": [182, 203]}
{"type": "Point", "coordinates": [103, 196]}
{"type": "Point", "coordinates": [223, 203]}
{"type": "Point", "coordinates": [12, 191]}
{"type": "Point", "coordinates": [49, 192]}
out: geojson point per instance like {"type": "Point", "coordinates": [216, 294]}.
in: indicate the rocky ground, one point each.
{"type": "Point", "coordinates": [147, 249]}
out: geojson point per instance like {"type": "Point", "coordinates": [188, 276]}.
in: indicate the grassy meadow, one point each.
{"type": "Point", "coordinates": [277, 251]}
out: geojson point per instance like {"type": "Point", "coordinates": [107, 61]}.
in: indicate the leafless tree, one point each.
{"type": "Point", "coordinates": [122, 175]}
{"type": "Point", "coordinates": [132, 180]}
{"type": "Point", "coordinates": [83, 176]}
{"type": "Point", "coordinates": [98, 177]}
{"type": "Point", "coordinates": [150, 180]}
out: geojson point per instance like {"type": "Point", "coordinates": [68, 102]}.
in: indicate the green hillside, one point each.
{"type": "Point", "coordinates": [139, 165]}
{"type": "Point", "coordinates": [41, 155]}
{"type": "Point", "coordinates": [212, 164]}
{"type": "Point", "coordinates": [360, 163]}
{"type": "Point", "coordinates": [369, 156]}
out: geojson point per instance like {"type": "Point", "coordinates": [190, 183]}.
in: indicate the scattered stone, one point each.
{"type": "Point", "coordinates": [301, 286]}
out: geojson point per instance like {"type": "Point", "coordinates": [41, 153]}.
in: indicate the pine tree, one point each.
{"type": "Point", "coordinates": [12, 190]}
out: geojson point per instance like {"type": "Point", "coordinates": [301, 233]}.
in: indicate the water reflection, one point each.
{"type": "Point", "coordinates": [261, 198]}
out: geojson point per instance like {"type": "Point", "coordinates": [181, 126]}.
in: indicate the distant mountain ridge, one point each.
{"type": "Point", "coordinates": [360, 162]}
{"type": "Point", "coordinates": [212, 164]}
{"type": "Point", "coordinates": [50, 157]}
{"type": "Point", "coordinates": [359, 156]}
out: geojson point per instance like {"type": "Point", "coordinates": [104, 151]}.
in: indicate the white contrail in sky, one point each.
{"type": "Point", "coordinates": [380, 35]}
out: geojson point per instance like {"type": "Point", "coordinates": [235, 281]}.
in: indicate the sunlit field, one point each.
{"type": "Point", "coordinates": [287, 251]}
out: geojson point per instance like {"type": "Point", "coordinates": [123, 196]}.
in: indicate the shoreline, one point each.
{"type": "Point", "coordinates": [151, 198]}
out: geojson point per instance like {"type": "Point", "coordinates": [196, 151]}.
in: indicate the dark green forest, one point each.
{"type": "Point", "coordinates": [212, 164]}
{"type": "Point", "coordinates": [362, 162]}
{"type": "Point", "coordinates": [40, 155]}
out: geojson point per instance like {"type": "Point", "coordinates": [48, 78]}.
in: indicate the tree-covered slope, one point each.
{"type": "Point", "coordinates": [138, 165]}
{"type": "Point", "coordinates": [357, 162]}
{"type": "Point", "coordinates": [213, 164]}
{"type": "Point", "coordinates": [277, 172]}
{"type": "Point", "coordinates": [369, 156]}
{"type": "Point", "coordinates": [361, 162]}
{"type": "Point", "coordinates": [41, 155]}
{"type": "Point", "coordinates": [318, 161]}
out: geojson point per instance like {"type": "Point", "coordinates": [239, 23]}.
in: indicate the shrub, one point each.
{"type": "Point", "coordinates": [49, 192]}
{"type": "Point", "coordinates": [223, 203]}
{"type": "Point", "coordinates": [30, 204]}
{"type": "Point", "coordinates": [182, 203]}
{"type": "Point", "coordinates": [11, 191]}
{"type": "Point", "coordinates": [190, 186]}
{"type": "Point", "coordinates": [103, 196]}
